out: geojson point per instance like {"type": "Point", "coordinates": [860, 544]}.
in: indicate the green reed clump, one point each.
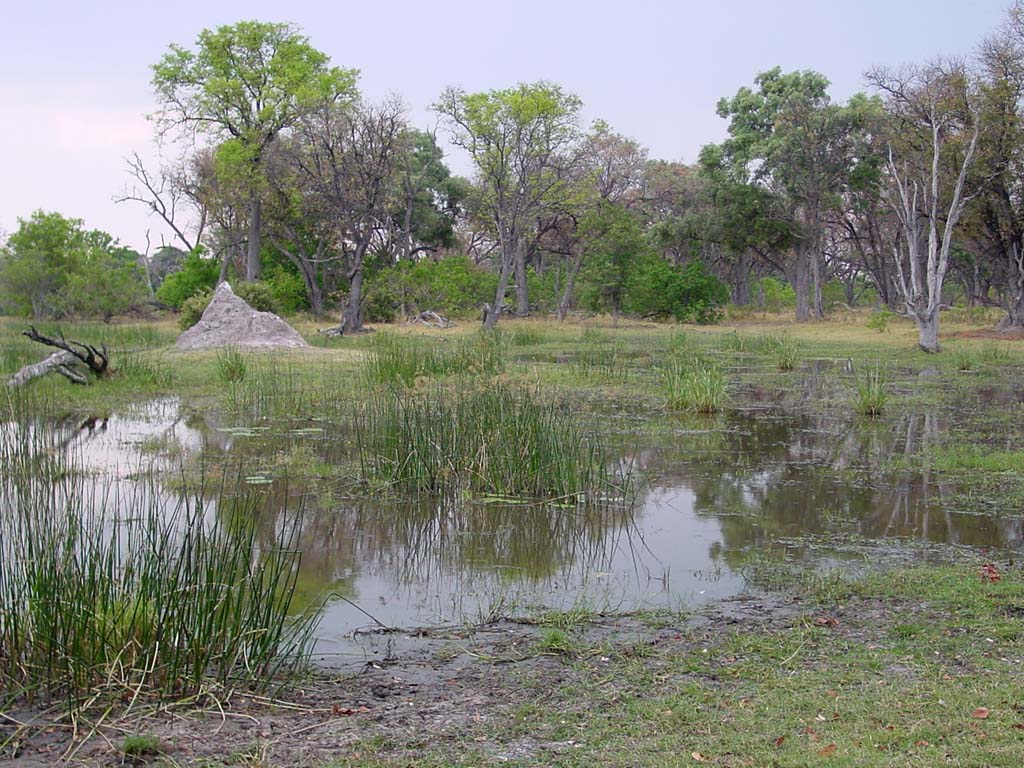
{"type": "Point", "coordinates": [144, 370]}
{"type": "Point", "coordinates": [500, 441]}
{"type": "Point", "coordinates": [232, 365]}
{"type": "Point", "coordinates": [697, 385]}
{"type": "Point", "coordinates": [783, 348]}
{"type": "Point", "coordinates": [964, 359]}
{"type": "Point", "coordinates": [395, 359]}
{"type": "Point", "coordinates": [871, 393]}
{"type": "Point", "coordinates": [112, 594]}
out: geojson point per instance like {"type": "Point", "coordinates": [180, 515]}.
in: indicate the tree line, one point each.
{"type": "Point", "coordinates": [908, 195]}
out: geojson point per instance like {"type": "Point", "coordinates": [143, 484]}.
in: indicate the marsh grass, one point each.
{"type": "Point", "coordinates": [395, 359]}
{"type": "Point", "coordinates": [871, 392]}
{"type": "Point", "coordinates": [697, 385]}
{"type": "Point", "coordinates": [603, 362]}
{"type": "Point", "coordinates": [232, 365]}
{"type": "Point", "coordinates": [964, 359]}
{"type": "Point", "coordinates": [782, 348]}
{"type": "Point", "coordinates": [117, 593]}
{"type": "Point", "coordinates": [144, 370]}
{"type": "Point", "coordinates": [525, 336]}
{"type": "Point", "coordinates": [995, 354]}
{"type": "Point", "coordinates": [500, 441]}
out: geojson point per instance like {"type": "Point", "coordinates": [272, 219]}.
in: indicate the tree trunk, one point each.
{"type": "Point", "coordinates": [799, 276]}
{"type": "Point", "coordinates": [493, 311]}
{"type": "Point", "coordinates": [59, 362]}
{"type": "Point", "coordinates": [816, 282]}
{"type": "Point", "coordinates": [352, 320]}
{"type": "Point", "coordinates": [741, 280]}
{"type": "Point", "coordinates": [570, 287]}
{"type": "Point", "coordinates": [253, 268]}
{"type": "Point", "coordinates": [1014, 320]}
{"type": "Point", "coordinates": [522, 289]}
{"type": "Point", "coordinates": [927, 330]}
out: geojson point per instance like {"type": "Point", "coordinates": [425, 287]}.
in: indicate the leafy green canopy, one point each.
{"type": "Point", "coordinates": [249, 80]}
{"type": "Point", "coordinates": [52, 267]}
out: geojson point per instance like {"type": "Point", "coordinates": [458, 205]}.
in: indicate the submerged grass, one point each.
{"type": "Point", "coordinates": [501, 441]}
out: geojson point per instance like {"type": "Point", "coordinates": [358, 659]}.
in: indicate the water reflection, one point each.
{"type": "Point", "coordinates": [720, 490]}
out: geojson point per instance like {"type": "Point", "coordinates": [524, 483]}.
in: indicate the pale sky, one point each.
{"type": "Point", "coordinates": [74, 76]}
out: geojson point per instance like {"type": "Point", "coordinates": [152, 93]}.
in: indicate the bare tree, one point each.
{"type": "Point", "coordinates": [343, 165]}
{"type": "Point", "coordinates": [933, 136]}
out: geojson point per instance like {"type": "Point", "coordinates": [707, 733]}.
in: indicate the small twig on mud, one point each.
{"type": "Point", "coordinates": [362, 610]}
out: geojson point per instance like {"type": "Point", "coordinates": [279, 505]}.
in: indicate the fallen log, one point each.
{"type": "Point", "coordinates": [432, 319]}
{"type": "Point", "coordinates": [68, 362]}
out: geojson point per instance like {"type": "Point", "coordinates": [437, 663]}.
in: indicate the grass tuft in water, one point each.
{"type": "Point", "coordinates": [501, 441]}
{"type": "Point", "coordinates": [117, 593]}
{"type": "Point", "coordinates": [697, 385]}
{"type": "Point", "coordinates": [395, 359]}
{"type": "Point", "coordinates": [232, 365]}
{"type": "Point", "coordinates": [871, 392]}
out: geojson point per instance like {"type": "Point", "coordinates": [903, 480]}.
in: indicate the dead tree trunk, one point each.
{"type": "Point", "coordinates": [74, 361]}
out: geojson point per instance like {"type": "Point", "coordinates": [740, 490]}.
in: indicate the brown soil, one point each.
{"type": "Point", "coordinates": [412, 688]}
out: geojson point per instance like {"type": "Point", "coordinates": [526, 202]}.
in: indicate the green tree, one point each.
{"type": "Point", "coordinates": [523, 141]}
{"type": "Point", "coordinates": [244, 84]}
{"type": "Point", "coordinates": [610, 241]}
{"type": "Point", "coordinates": [52, 267]}
{"type": "Point", "coordinates": [789, 140]}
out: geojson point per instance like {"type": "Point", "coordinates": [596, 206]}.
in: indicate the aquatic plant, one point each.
{"type": "Point", "coordinates": [697, 385]}
{"type": "Point", "coordinates": [121, 592]}
{"type": "Point", "coordinates": [500, 441]}
{"type": "Point", "coordinates": [871, 392]}
{"type": "Point", "coordinates": [232, 365]}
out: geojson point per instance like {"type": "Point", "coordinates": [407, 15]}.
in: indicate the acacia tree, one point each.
{"type": "Point", "coordinates": [244, 84]}
{"type": "Point", "coordinates": [934, 129]}
{"type": "Point", "coordinates": [522, 142]}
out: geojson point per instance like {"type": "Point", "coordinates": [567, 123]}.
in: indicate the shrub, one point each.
{"type": "Point", "coordinates": [452, 286]}
{"type": "Point", "coordinates": [879, 321]}
{"type": "Point", "coordinates": [287, 289]}
{"type": "Point", "coordinates": [192, 309]}
{"type": "Point", "coordinates": [197, 275]}
{"type": "Point", "coordinates": [259, 295]}
{"type": "Point", "coordinates": [774, 295]}
{"type": "Point", "coordinates": [656, 288]}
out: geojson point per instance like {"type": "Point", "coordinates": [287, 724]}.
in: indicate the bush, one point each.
{"type": "Point", "coordinates": [288, 290]}
{"type": "Point", "coordinates": [192, 309]}
{"type": "Point", "coordinates": [258, 295]}
{"type": "Point", "coordinates": [656, 288]}
{"type": "Point", "coordinates": [197, 275]}
{"type": "Point", "coordinates": [774, 295]}
{"type": "Point", "coordinates": [454, 286]}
